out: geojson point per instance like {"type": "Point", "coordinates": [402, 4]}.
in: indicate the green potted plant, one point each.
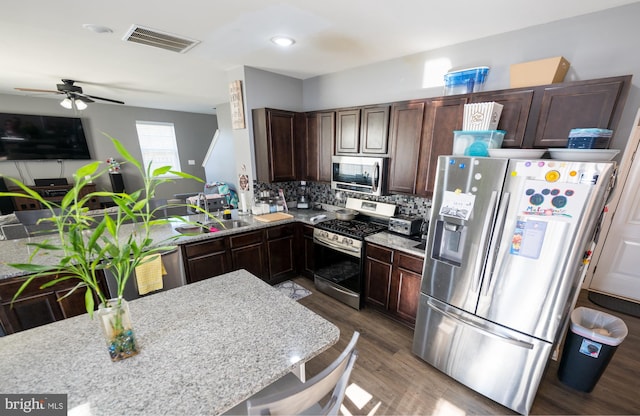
{"type": "Point", "coordinates": [84, 244]}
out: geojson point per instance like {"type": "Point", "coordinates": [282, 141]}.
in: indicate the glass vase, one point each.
{"type": "Point", "coordinates": [116, 324]}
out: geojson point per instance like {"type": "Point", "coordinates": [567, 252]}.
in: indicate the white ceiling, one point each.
{"type": "Point", "coordinates": [42, 41]}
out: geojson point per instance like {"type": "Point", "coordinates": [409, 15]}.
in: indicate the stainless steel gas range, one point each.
{"type": "Point", "coordinates": [339, 250]}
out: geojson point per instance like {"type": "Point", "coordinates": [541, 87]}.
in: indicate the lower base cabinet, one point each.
{"type": "Point", "coordinates": [37, 306]}
{"type": "Point", "coordinates": [392, 282]}
{"type": "Point", "coordinates": [266, 253]}
{"type": "Point", "coordinates": [206, 259]}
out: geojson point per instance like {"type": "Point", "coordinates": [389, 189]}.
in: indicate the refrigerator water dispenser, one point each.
{"type": "Point", "coordinates": [449, 242]}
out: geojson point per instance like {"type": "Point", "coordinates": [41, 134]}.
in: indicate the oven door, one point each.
{"type": "Point", "coordinates": [338, 274]}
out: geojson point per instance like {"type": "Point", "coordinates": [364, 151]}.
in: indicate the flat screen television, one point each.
{"type": "Point", "coordinates": [34, 137]}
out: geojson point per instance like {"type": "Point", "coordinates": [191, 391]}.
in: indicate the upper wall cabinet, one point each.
{"type": "Point", "coordinates": [595, 103]}
{"type": "Point", "coordinates": [405, 133]}
{"type": "Point", "coordinates": [515, 112]}
{"type": "Point", "coordinates": [362, 130]}
{"type": "Point", "coordinates": [318, 148]}
{"type": "Point", "coordinates": [276, 144]}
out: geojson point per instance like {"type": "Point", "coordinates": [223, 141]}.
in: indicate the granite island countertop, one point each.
{"type": "Point", "coordinates": [18, 250]}
{"type": "Point", "coordinates": [204, 348]}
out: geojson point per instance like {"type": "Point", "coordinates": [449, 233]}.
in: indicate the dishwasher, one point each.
{"type": "Point", "coordinates": [175, 277]}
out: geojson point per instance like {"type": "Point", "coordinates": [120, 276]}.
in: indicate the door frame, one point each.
{"type": "Point", "coordinates": [628, 158]}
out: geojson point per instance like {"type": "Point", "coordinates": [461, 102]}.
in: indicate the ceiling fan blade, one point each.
{"type": "Point", "coordinates": [37, 90]}
{"type": "Point", "coordinates": [103, 99]}
{"type": "Point", "coordinates": [83, 97]}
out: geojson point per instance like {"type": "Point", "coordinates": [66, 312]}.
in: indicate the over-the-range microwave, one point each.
{"type": "Point", "coordinates": [361, 174]}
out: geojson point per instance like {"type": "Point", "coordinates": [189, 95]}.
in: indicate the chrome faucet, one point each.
{"type": "Point", "coordinates": [202, 199]}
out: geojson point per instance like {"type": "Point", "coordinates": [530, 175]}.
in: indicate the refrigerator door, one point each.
{"type": "Point", "coordinates": [466, 198]}
{"type": "Point", "coordinates": [501, 364]}
{"type": "Point", "coordinates": [535, 259]}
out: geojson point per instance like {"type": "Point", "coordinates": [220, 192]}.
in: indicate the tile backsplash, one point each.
{"type": "Point", "coordinates": [320, 192]}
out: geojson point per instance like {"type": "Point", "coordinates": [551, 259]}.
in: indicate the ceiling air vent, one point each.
{"type": "Point", "coordinates": [157, 39]}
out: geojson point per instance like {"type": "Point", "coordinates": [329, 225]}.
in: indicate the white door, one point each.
{"type": "Point", "coordinates": [617, 271]}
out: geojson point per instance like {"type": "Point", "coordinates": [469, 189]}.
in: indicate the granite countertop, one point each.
{"type": "Point", "coordinates": [204, 348]}
{"type": "Point", "coordinates": [18, 251]}
{"type": "Point", "coordinates": [396, 242]}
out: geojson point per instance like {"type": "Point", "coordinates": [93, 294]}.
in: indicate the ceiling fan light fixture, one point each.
{"type": "Point", "coordinates": [80, 105]}
{"type": "Point", "coordinates": [284, 41]}
{"type": "Point", "coordinates": [66, 103]}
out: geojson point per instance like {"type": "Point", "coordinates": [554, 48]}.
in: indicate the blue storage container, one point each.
{"type": "Point", "coordinates": [465, 80]}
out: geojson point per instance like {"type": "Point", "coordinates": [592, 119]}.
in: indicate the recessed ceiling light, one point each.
{"type": "Point", "coordinates": [97, 28]}
{"type": "Point", "coordinates": [283, 40]}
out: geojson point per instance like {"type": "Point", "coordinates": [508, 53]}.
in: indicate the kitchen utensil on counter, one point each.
{"type": "Point", "coordinates": [303, 196]}
{"type": "Point", "coordinates": [276, 216]}
{"type": "Point", "coordinates": [346, 214]}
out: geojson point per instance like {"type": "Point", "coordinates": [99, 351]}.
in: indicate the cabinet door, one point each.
{"type": "Point", "coordinates": [443, 116]}
{"type": "Point", "coordinates": [405, 295]}
{"type": "Point", "coordinates": [404, 140]}
{"type": "Point", "coordinates": [251, 258]}
{"type": "Point", "coordinates": [378, 275]}
{"type": "Point", "coordinates": [320, 134]}
{"type": "Point", "coordinates": [565, 108]}
{"type": "Point", "coordinates": [206, 259]}
{"type": "Point", "coordinates": [307, 259]}
{"type": "Point", "coordinates": [374, 130]}
{"type": "Point", "coordinates": [275, 143]}
{"type": "Point", "coordinates": [515, 112]}
{"type": "Point", "coordinates": [348, 131]}
{"type": "Point", "coordinates": [280, 252]}
{"type": "Point", "coordinates": [248, 252]}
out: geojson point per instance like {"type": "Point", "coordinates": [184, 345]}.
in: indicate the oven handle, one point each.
{"type": "Point", "coordinates": [354, 252]}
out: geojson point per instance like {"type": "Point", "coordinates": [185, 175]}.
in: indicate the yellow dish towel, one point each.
{"type": "Point", "coordinates": [149, 274]}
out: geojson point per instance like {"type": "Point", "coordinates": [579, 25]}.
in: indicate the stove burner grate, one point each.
{"type": "Point", "coordinates": [352, 228]}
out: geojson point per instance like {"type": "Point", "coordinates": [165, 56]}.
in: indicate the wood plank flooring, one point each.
{"type": "Point", "coordinates": [399, 383]}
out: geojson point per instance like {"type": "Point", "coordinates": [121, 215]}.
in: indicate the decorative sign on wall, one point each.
{"type": "Point", "coordinates": [237, 106]}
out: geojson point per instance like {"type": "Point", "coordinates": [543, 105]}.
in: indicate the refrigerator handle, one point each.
{"type": "Point", "coordinates": [450, 313]}
{"type": "Point", "coordinates": [477, 278]}
{"type": "Point", "coordinates": [495, 243]}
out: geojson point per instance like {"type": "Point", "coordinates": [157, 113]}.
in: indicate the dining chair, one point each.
{"type": "Point", "coordinates": [289, 396]}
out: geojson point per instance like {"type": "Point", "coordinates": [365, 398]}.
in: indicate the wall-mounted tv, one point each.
{"type": "Point", "coordinates": [34, 137]}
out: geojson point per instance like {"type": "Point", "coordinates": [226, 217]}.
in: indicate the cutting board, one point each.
{"type": "Point", "coordinates": [276, 216]}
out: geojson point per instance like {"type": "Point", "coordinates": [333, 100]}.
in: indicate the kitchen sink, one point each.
{"type": "Point", "coordinates": [207, 226]}
{"type": "Point", "coordinates": [228, 224]}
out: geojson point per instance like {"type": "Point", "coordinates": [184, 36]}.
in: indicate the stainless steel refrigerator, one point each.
{"type": "Point", "coordinates": [503, 268]}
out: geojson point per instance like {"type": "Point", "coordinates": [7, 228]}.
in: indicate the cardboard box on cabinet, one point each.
{"type": "Point", "coordinates": [540, 72]}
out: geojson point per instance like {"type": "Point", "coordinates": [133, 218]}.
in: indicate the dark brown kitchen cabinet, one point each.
{"type": "Point", "coordinates": [377, 272]}
{"type": "Point", "coordinates": [276, 144]}
{"type": "Point", "coordinates": [515, 112]}
{"type": "Point", "coordinates": [206, 259]}
{"type": "Point", "coordinates": [405, 133]}
{"type": "Point", "coordinates": [280, 252]}
{"type": "Point", "coordinates": [348, 131]}
{"type": "Point", "coordinates": [307, 262]}
{"type": "Point", "coordinates": [392, 282]}
{"type": "Point", "coordinates": [248, 252]}
{"type": "Point", "coordinates": [35, 306]}
{"type": "Point", "coordinates": [374, 130]}
{"type": "Point", "coordinates": [443, 115]}
{"type": "Point", "coordinates": [362, 130]}
{"type": "Point", "coordinates": [405, 287]}
{"type": "Point", "coordinates": [320, 135]}
{"type": "Point", "coordinates": [595, 103]}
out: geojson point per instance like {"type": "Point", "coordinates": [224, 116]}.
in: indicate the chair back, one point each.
{"type": "Point", "coordinates": [333, 379]}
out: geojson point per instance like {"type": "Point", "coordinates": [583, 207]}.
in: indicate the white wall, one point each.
{"type": "Point", "coordinates": [194, 133]}
{"type": "Point", "coordinates": [597, 45]}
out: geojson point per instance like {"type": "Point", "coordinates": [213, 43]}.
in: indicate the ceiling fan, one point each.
{"type": "Point", "coordinates": [74, 95]}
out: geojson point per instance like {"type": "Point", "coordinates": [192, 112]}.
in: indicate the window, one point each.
{"type": "Point", "coordinates": [158, 145]}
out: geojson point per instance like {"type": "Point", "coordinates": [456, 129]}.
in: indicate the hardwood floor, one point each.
{"type": "Point", "coordinates": [400, 383]}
